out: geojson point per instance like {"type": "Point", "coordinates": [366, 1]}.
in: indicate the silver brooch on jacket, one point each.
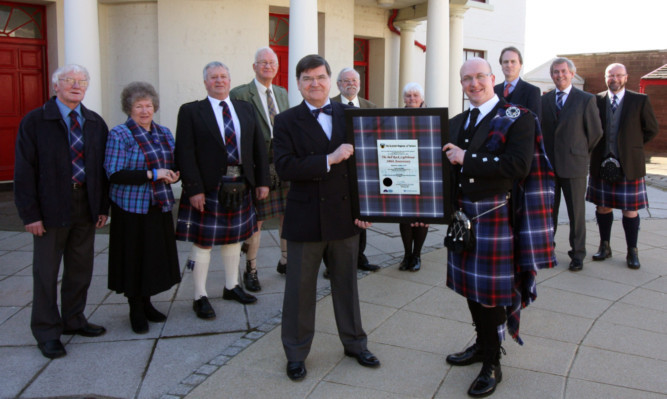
{"type": "Point", "coordinates": [512, 112]}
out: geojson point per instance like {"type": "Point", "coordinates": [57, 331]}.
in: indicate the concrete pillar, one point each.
{"type": "Point", "coordinates": [82, 46]}
{"type": "Point", "coordinates": [437, 59]}
{"type": "Point", "coordinates": [455, 58]}
{"type": "Point", "coordinates": [303, 35]}
{"type": "Point", "coordinates": [406, 73]}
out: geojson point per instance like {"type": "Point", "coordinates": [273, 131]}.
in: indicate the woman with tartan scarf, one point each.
{"type": "Point", "coordinates": [139, 162]}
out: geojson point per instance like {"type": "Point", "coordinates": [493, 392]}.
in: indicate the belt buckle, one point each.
{"type": "Point", "coordinates": [234, 171]}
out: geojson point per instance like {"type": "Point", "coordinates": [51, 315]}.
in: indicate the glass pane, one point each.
{"type": "Point", "coordinates": [4, 15]}
{"type": "Point", "coordinates": [278, 30]}
{"type": "Point", "coordinates": [22, 25]}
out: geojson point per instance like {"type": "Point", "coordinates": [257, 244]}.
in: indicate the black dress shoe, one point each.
{"type": "Point", "coordinates": [237, 294]}
{"type": "Point", "coordinates": [296, 370]}
{"type": "Point", "coordinates": [368, 267]}
{"type": "Point", "coordinates": [576, 265]}
{"type": "Point", "coordinates": [251, 281]}
{"type": "Point", "coordinates": [281, 268]}
{"type": "Point", "coordinates": [472, 354]}
{"type": "Point", "coordinates": [203, 308]}
{"type": "Point", "coordinates": [88, 330]}
{"type": "Point", "coordinates": [603, 252]}
{"type": "Point", "coordinates": [365, 358]}
{"type": "Point", "coordinates": [633, 258]}
{"type": "Point", "coordinates": [416, 264]}
{"type": "Point", "coordinates": [487, 380]}
{"type": "Point", "coordinates": [52, 349]}
{"type": "Point", "coordinates": [405, 263]}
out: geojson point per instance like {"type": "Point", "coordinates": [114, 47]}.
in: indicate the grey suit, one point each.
{"type": "Point", "coordinates": [363, 104]}
{"type": "Point", "coordinates": [569, 138]}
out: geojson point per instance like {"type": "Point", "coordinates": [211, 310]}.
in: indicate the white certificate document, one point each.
{"type": "Point", "coordinates": [398, 164]}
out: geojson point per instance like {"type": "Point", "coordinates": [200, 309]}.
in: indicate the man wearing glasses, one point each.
{"type": "Point", "coordinates": [628, 122]}
{"type": "Point", "coordinates": [61, 192]}
{"type": "Point", "coordinates": [268, 101]}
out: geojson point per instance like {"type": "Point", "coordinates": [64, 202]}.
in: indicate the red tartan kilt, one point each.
{"type": "Point", "coordinates": [628, 195]}
{"type": "Point", "coordinates": [273, 205]}
{"type": "Point", "coordinates": [485, 274]}
{"type": "Point", "coordinates": [215, 226]}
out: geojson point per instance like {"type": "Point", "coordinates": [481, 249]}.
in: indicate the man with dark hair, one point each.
{"type": "Point", "coordinates": [516, 90]}
{"type": "Point", "coordinates": [62, 194]}
{"type": "Point", "coordinates": [268, 100]}
{"type": "Point", "coordinates": [629, 123]}
{"type": "Point", "coordinates": [571, 128]}
{"type": "Point", "coordinates": [311, 153]}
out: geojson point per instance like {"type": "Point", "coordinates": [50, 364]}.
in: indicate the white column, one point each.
{"type": "Point", "coordinates": [437, 50]}
{"type": "Point", "coordinates": [406, 73]}
{"type": "Point", "coordinates": [303, 35]}
{"type": "Point", "coordinates": [82, 46]}
{"type": "Point", "coordinates": [455, 58]}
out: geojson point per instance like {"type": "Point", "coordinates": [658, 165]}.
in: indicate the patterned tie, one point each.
{"type": "Point", "coordinates": [76, 149]}
{"type": "Point", "coordinates": [614, 103]}
{"type": "Point", "coordinates": [559, 100]}
{"type": "Point", "coordinates": [271, 105]}
{"type": "Point", "coordinates": [230, 135]}
{"type": "Point", "coordinates": [326, 109]}
{"type": "Point", "coordinates": [506, 92]}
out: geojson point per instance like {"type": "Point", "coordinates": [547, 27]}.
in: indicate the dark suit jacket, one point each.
{"type": "Point", "coordinates": [570, 138]}
{"type": "Point", "coordinates": [638, 125]}
{"type": "Point", "coordinates": [200, 150]}
{"type": "Point", "coordinates": [481, 175]}
{"type": "Point", "coordinates": [319, 206]}
{"type": "Point", "coordinates": [43, 169]}
{"type": "Point", "coordinates": [524, 94]}
{"type": "Point", "coordinates": [364, 104]}
{"type": "Point", "coordinates": [248, 92]}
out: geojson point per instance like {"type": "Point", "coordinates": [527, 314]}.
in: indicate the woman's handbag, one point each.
{"type": "Point", "coordinates": [610, 170]}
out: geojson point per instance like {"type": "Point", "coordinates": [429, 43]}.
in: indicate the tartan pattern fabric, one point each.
{"type": "Point", "coordinates": [230, 136]}
{"type": "Point", "coordinates": [485, 274]}
{"type": "Point", "coordinates": [76, 149]}
{"type": "Point", "coordinates": [216, 226]}
{"type": "Point", "coordinates": [123, 153]}
{"type": "Point", "coordinates": [273, 205]}
{"type": "Point", "coordinates": [367, 130]}
{"type": "Point", "coordinates": [628, 195]}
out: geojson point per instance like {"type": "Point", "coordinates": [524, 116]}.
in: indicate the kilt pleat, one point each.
{"type": "Point", "coordinates": [485, 274]}
{"type": "Point", "coordinates": [628, 195]}
{"type": "Point", "coordinates": [216, 225]}
{"type": "Point", "coordinates": [273, 205]}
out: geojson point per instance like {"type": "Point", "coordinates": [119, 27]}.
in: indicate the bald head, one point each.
{"type": "Point", "coordinates": [477, 81]}
{"type": "Point", "coordinates": [616, 77]}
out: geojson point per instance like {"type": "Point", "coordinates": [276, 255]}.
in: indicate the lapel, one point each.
{"type": "Point", "coordinates": [246, 135]}
{"type": "Point", "coordinates": [550, 99]}
{"type": "Point", "coordinates": [207, 115]}
{"type": "Point", "coordinates": [281, 98]}
{"type": "Point", "coordinates": [628, 102]}
{"type": "Point", "coordinates": [572, 98]}
{"type": "Point", "coordinates": [457, 124]}
{"type": "Point", "coordinates": [602, 107]}
{"type": "Point", "coordinates": [311, 129]}
{"type": "Point", "coordinates": [338, 125]}
{"type": "Point", "coordinates": [256, 100]}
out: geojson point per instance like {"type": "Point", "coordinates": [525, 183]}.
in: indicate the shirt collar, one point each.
{"type": "Point", "coordinates": [216, 103]}
{"type": "Point", "coordinates": [619, 95]}
{"type": "Point", "coordinates": [65, 110]}
{"type": "Point", "coordinates": [261, 88]}
{"type": "Point", "coordinates": [512, 83]}
{"type": "Point", "coordinates": [566, 91]}
{"type": "Point", "coordinates": [311, 107]}
{"type": "Point", "coordinates": [486, 107]}
{"type": "Point", "coordinates": [345, 100]}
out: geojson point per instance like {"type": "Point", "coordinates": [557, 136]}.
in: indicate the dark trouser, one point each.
{"type": "Point", "coordinates": [574, 192]}
{"type": "Point", "coordinates": [298, 320]}
{"type": "Point", "coordinates": [75, 245]}
{"type": "Point", "coordinates": [362, 259]}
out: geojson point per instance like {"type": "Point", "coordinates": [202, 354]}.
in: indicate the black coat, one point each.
{"type": "Point", "coordinates": [524, 94]}
{"type": "Point", "coordinates": [43, 168]}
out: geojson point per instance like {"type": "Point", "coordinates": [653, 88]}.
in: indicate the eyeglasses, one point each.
{"type": "Point", "coordinates": [264, 64]}
{"type": "Point", "coordinates": [618, 76]}
{"type": "Point", "coordinates": [481, 77]}
{"type": "Point", "coordinates": [70, 82]}
{"type": "Point", "coordinates": [349, 81]}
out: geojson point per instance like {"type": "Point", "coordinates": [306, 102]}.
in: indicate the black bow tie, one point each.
{"type": "Point", "coordinates": [326, 109]}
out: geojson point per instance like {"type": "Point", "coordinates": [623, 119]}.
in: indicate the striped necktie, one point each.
{"type": "Point", "coordinates": [506, 92]}
{"type": "Point", "coordinates": [559, 99]}
{"type": "Point", "coordinates": [614, 103]}
{"type": "Point", "coordinates": [230, 135]}
{"type": "Point", "coordinates": [271, 106]}
{"type": "Point", "coordinates": [76, 149]}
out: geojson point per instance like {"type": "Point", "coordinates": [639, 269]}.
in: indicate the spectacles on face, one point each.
{"type": "Point", "coordinates": [317, 79]}
{"type": "Point", "coordinates": [265, 64]}
{"type": "Point", "coordinates": [480, 77]}
{"type": "Point", "coordinates": [349, 81]}
{"type": "Point", "coordinates": [70, 82]}
{"type": "Point", "coordinates": [617, 76]}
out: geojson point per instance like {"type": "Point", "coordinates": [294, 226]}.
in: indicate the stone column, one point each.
{"type": "Point", "coordinates": [437, 51]}
{"type": "Point", "coordinates": [455, 57]}
{"type": "Point", "coordinates": [303, 34]}
{"type": "Point", "coordinates": [406, 74]}
{"type": "Point", "coordinates": [82, 46]}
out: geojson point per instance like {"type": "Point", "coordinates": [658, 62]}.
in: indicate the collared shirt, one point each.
{"type": "Point", "coordinates": [325, 121]}
{"type": "Point", "coordinates": [262, 96]}
{"type": "Point", "coordinates": [484, 109]}
{"type": "Point", "coordinates": [566, 93]}
{"type": "Point", "coordinates": [346, 100]}
{"type": "Point", "coordinates": [619, 95]}
{"type": "Point", "coordinates": [65, 110]}
{"type": "Point", "coordinates": [512, 83]}
{"type": "Point", "coordinates": [217, 110]}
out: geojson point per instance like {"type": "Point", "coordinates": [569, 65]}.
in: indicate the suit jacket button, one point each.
{"type": "Point", "coordinates": [322, 199]}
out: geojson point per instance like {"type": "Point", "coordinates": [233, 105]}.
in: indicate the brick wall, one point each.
{"type": "Point", "coordinates": [638, 63]}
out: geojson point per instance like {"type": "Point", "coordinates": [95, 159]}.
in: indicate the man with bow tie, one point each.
{"type": "Point", "coordinates": [311, 153]}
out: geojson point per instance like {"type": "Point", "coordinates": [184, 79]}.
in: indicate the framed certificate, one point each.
{"type": "Point", "coordinates": [397, 170]}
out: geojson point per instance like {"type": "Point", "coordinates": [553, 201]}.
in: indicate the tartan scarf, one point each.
{"type": "Point", "coordinates": [158, 155]}
{"type": "Point", "coordinates": [532, 200]}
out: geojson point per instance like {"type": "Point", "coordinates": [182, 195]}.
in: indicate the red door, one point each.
{"type": "Point", "coordinates": [279, 42]}
{"type": "Point", "coordinates": [23, 69]}
{"type": "Point", "coordinates": [283, 60]}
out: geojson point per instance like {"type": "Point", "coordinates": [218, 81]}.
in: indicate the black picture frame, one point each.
{"type": "Point", "coordinates": [430, 126]}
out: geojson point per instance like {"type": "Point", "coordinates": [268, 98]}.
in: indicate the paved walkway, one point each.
{"type": "Point", "coordinates": [598, 333]}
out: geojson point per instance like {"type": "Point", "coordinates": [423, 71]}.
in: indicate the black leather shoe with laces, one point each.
{"type": "Point", "coordinates": [472, 354]}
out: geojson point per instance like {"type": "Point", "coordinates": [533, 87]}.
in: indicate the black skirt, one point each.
{"type": "Point", "coordinates": [143, 260]}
